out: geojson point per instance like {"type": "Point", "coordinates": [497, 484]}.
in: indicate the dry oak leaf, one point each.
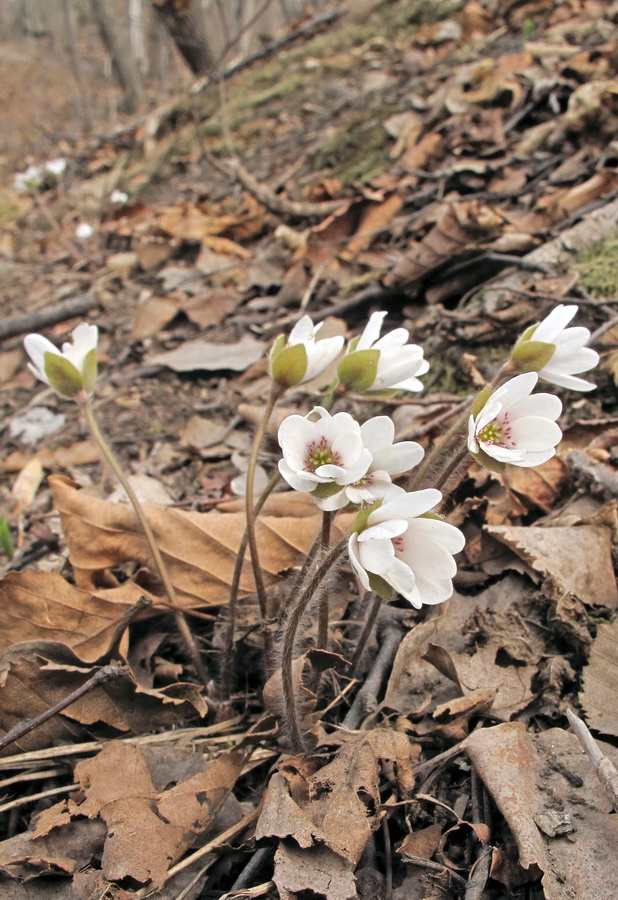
{"type": "Point", "coordinates": [61, 852]}
{"type": "Point", "coordinates": [194, 356]}
{"type": "Point", "coordinates": [147, 832]}
{"type": "Point", "coordinates": [575, 561]}
{"type": "Point", "coordinates": [199, 548]}
{"type": "Point", "coordinates": [526, 776]}
{"type": "Point", "coordinates": [37, 674]}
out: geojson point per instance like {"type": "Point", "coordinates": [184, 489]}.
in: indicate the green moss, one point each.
{"type": "Point", "coordinates": [598, 269]}
{"type": "Point", "coordinates": [357, 151]}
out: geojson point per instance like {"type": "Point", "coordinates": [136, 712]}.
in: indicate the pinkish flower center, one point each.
{"type": "Point", "coordinates": [320, 453]}
{"type": "Point", "coordinates": [497, 432]}
{"type": "Point", "coordinates": [398, 544]}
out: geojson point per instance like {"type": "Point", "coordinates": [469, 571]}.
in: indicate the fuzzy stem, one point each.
{"type": "Point", "coordinates": [324, 598]}
{"type": "Point", "coordinates": [367, 629]}
{"type": "Point", "coordinates": [290, 632]}
{"type": "Point", "coordinates": [275, 392]}
{"type": "Point", "coordinates": [179, 616]}
{"type": "Point", "coordinates": [440, 445]}
{"type": "Point", "coordinates": [227, 667]}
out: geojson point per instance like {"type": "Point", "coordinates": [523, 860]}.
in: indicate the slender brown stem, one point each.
{"type": "Point", "coordinates": [367, 629]}
{"type": "Point", "coordinates": [275, 392]}
{"type": "Point", "coordinates": [107, 673]}
{"type": "Point", "coordinates": [290, 633]}
{"type": "Point", "coordinates": [440, 445]}
{"type": "Point", "coordinates": [227, 667]}
{"type": "Point", "coordinates": [327, 518]}
{"type": "Point", "coordinates": [179, 616]}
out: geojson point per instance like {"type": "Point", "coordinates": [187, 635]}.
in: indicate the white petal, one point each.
{"type": "Point", "coordinates": [532, 458]}
{"type": "Point", "coordinates": [358, 468]}
{"type": "Point", "coordinates": [376, 556]}
{"type": "Point", "coordinates": [443, 533]}
{"type": "Point", "coordinates": [551, 326]}
{"type": "Point", "coordinates": [547, 405]}
{"type": "Point", "coordinates": [401, 578]}
{"type": "Point", "coordinates": [36, 346]}
{"type": "Point", "coordinates": [321, 354]}
{"type": "Point", "coordinates": [295, 479]}
{"type": "Point", "coordinates": [406, 506]}
{"type": "Point", "coordinates": [399, 458]}
{"type": "Point", "coordinates": [377, 433]}
{"type": "Point", "coordinates": [571, 383]}
{"type": "Point", "coordinates": [355, 561]}
{"type": "Point", "coordinates": [371, 331]}
{"type": "Point", "coordinates": [302, 331]}
{"type": "Point", "coordinates": [393, 340]}
{"type": "Point", "coordinates": [515, 389]}
{"type": "Point", "coordinates": [535, 433]}
{"type": "Point", "coordinates": [384, 530]}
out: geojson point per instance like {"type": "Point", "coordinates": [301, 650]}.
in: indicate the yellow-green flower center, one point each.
{"type": "Point", "coordinates": [320, 453]}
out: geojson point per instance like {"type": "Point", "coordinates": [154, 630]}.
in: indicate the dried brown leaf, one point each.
{"type": "Point", "coordinates": [601, 681]}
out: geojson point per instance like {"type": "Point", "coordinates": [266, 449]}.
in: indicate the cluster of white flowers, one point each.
{"type": "Point", "coordinates": [397, 542]}
{"type": "Point", "coordinates": [35, 176]}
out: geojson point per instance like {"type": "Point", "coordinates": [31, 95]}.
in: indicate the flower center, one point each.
{"type": "Point", "coordinates": [398, 544]}
{"type": "Point", "coordinates": [320, 453]}
{"type": "Point", "coordinates": [497, 432]}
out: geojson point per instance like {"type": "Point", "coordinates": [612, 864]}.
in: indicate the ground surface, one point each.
{"type": "Point", "coordinates": [453, 164]}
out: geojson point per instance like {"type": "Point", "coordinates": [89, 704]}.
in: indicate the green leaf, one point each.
{"type": "Point", "coordinates": [5, 538]}
{"type": "Point", "coordinates": [358, 370]}
{"type": "Point", "coordinates": [62, 375]}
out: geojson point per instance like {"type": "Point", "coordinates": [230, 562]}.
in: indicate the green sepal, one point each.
{"type": "Point", "coordinates": [326, 490]}
{"type": "Point", "coordinates": [380, 587]}
{"type": "Point", "coordinates": [62, 375]}
{"type": "Point", "coordinates": [488, 462]}
{"type": "Point", "coordinates": [360, 523]}
{"type": "Point", "coordinates": [288, 365]}
{"type": "Point", "coordinates": [531, 356]}
{"type": "Point", "coordinates": [430, 515]}
{"type": "Point", "coordinates": [480, 400]}
{"type": "Point", "coordinates": [358, 370]}
{"type": "Point", "coordinates": [89, 371]}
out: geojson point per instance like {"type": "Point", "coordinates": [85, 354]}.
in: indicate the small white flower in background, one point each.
{"type": "Point", "coordinates": [402, 547]}
{"type": "Point", "coordinates": [71, 370]}
{"type": "Point", "coordinates": [375, 363]}
{"type": "Point", "coordinates": [302, 356]}
{"type": "Point", "coordinates": [322, 455]}
{"type": "Point", "coordinates": [515, 426]}
{"type": "Point", "coordinates": [83, 231]}
{"type": "Point", "coordinates": [117, 196]}
{"type": "Point", "coordinates": [56, 166]}
{"type": "Point", "coordinates": [389, 459]}
{"type": "Point", "coordinates": [556, 352]}
{"type": "Point", "coordinates": [31, 178]}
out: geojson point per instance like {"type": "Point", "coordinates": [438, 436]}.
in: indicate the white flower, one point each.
{"type": "Point", "coordinates": [322, 455]}
{"type": "Point", "coordinates": [83, 231]}
{"type": "Point", "coordinates": [570, 354]}
{"type": "Point", "coordinates": [31, 178]}
{"type": "Point", "coordinates": [389, 460]}
{"type": "Point", "coordinates": [402, 549]}
{"type": "Point", "coordinates": [514, 427]}
{"type": "Point", "coordinates": [118, 196]}
{"type": "Point", "coordinates": [55, 166]}
{"type": "Point", "coordinates": [302, 357]}
{"type": "Point", "coordinates": [375, 363]}
{"type": "Point", "coordinates": [70, 370]}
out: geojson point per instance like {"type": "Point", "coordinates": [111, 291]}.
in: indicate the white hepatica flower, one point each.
{"type": "Point", "coordinates": [402, 547]}
{"type": "Point", "coordinates": [68, 371]}
{"type": "Point", "coordinates": [118, 196]}
{"type": "Point", "coordinates": [322, 456]}
{"type": "Point", "coordinates": [29, 179]}
{"type": "Point", "coordinates": [56, 166]}
{"type": "Point", "coordinates": [84, 231]}
{"type": "Point", "coordinates": [389, 460]}
{"type": "Point", "coordinates": [515, 426]}
{"type": "Point", "coordinates": [562, 351]}
{"type": "Point", "coordinates": [302, 356]}
{"type": "Point", "coordinates": [375, 363]}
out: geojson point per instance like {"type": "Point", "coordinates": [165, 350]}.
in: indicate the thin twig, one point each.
{"type": "Point", "coordinates": [367, 629]}
{"type": "Point", "coordinates": [42, 795]}
{"type": "Point", "coordinates": [605, 770]}
{"type": "Point", "coordinates": [106, 673]}
{"type": "Point", "coordinates": [48, 315]}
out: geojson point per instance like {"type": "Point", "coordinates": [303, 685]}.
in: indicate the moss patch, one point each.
{"type": "Point", "coordinates": [598, 269]}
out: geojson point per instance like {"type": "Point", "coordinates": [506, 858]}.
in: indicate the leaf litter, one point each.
{"type": "Point", "coordinates": [492, 169]}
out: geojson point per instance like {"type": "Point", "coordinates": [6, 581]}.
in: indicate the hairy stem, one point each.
{"type": "Point", "coordinates": [179, 616]}
{"type": "Point", "coordinates": [324, 597]}
{"type": "Point", "coordinates": [275, 392]}
{"type": "Point", "coordinates": [227, 667]}
{"type": "Point", "coordinates": [290, 634]}
{"type": "Point", "coordinates": [367, 629]}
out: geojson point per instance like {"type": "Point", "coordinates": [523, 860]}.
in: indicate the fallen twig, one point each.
{"type": "Point", "coordinates": [49, 315]}
{"type": "Point", "coordinates": [605, 770]}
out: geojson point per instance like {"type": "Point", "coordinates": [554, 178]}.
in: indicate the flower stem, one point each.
{"type": "Point", "coordinates": [179, 616]}
{"type": "Point", "coordinates": [290, 632]}
{"type": "Point", "coordinates": [367, 629]}
{"type": "Point", "coordinates": [275, 392]}
{"type": "Point", "coordinates": [227, 668]}
{"type": "Point", "coordinates": [324, 597]}
{"type": "Point", "coordinates": [440, 445]}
